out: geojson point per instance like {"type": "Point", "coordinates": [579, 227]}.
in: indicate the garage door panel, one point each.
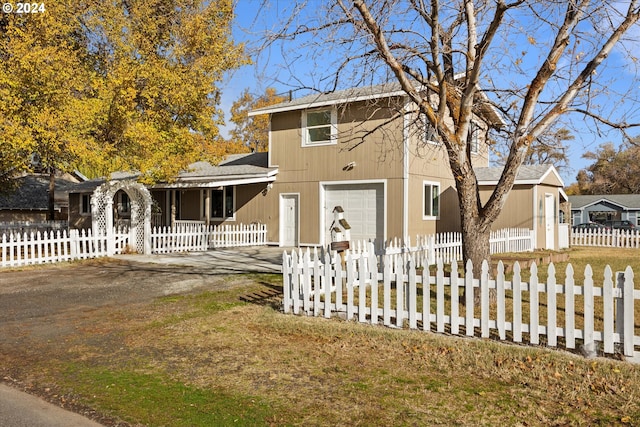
{"type": "Point", "coordinates": [363, 206]}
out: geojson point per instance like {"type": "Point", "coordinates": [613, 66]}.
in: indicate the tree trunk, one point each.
{"type": "Point", "coordinates": [476, 230]}
{"type": "Point", "coordinates": [52, 190]}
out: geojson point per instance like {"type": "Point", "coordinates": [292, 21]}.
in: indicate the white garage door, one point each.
{"type": "Point", "coordinates": [363, 206]}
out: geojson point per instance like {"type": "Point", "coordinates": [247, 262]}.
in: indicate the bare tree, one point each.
{"type": "Point", "coordinates": [533, 61]}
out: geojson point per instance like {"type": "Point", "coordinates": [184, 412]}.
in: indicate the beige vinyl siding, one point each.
{"type": "Point", "coordinates": [367, 139]}
{"type": "Point", "coordinates": [518, 210]}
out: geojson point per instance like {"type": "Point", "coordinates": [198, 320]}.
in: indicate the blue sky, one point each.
{"type": "Point", "coordinates": [252, 19]}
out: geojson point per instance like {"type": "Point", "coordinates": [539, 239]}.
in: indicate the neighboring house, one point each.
{"type": "Point", "coordinates": [207, 193]}
{"type": "Point", "coordinates": [30, 201]}
{"type": "Point", "coordinates": [534, 202]}
{"type": "Point", "coordinates": [600, 208]}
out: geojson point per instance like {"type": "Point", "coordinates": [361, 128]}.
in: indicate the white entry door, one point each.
{"type": "Point", "coordinates": [289, 219]}
{"type": "Point", "coordinates": [549, 221]}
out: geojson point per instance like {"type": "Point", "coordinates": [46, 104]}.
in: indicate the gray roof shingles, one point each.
{"type": "Point", "coordinates": [33, 193]}
{"type": "Point", "coordinates": [525, 173]}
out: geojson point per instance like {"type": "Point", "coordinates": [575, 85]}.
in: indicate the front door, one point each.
{"type": "Point", "coordinates": [549, 221]}
{"type": "Point", "coordinates": [289, 219]}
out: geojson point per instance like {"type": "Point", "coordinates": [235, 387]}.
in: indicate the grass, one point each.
{"type": "Point", "coordinates": [212, 359]}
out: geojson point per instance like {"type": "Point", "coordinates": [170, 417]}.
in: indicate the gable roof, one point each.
{"type": "Point", "coordinates": [333, 98]}
{"type": "Point", "coordinates": [527, 174]}
{"type": "Point", "coordinates": [625, 201]}
{"type": "Point", "coordinates": [345, 96]}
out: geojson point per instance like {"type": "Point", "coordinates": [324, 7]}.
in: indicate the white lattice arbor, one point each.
{"type": "Point", "coordinates": [102, 208]}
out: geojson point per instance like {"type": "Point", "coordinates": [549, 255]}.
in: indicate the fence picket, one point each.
{"type": "Point", "coordinates": [455, 301]}
{"type": "Point", "coordinates": [440, 296]}
{"type": "Point", "coordinates": [588, 306]}
{"type": "Point", "coordinates": [373, 265]}
{"type": "Point", "coordinates": [629, 323]}
{"type": "Point", "coordinates": [534, 307]}
{"type": "Point", "coordinates": [386, 291]}
{"type": "Point", "coordinates": [516, 287]}
{"type": "Point", "coordinates": [469, 296]}
{"type": "Point", "coordinates": [484, 300]}
{"type": "Point", "coordinates": [500, 302]}
{"type": "Point", "coordinates": [399, 291]}
{"type": "Point", "coordinates": [412, 301]}
{"type": "Point", "coordinates": [607, 312]}
{"type": "Point", "coordinates": [351, 279]}
{"type": "Point", "coordinates": [569, 308]}
{"type": "Point", "coordinates": [552, 330]}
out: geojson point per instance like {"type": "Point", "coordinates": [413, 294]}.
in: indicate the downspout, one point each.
{"type": "Point", "coordinates": [405, 172]}
{"type": "Point", "coordinates": [536, 217]}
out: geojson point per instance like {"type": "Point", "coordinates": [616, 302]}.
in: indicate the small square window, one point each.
{"type": "Point", "coordinates": [319, 127]}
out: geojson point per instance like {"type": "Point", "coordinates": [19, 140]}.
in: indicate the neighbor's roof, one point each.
{"type": "Point", "coordinates": [345, 96]}
{"type": "Point", "coordinates": [33, 192]}
{"type": "Point", "coordinates": [628, 201]}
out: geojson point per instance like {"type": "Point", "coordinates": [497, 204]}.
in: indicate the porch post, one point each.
{"type": "Point", "coordinates": [173, 208]}
{"type": "Point", "coordinates": [207, 206]}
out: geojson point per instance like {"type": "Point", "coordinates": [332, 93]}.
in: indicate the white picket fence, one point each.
{"type": "Point", "coordinates": [223, 236]}
{"type": "Point", "coordinates": [195, 236]}
{"type": "Point", "coordinates": [393, 292]}
{"type": "Point", "coordinates": [448, 246]}
{"type": "Point", "coordinates": [613, 238]}
{"type": "Point", "coordinates": [182, 238]}
{"type": "Point", "coordinates": [19, 249]}
{"type": "Point", "coordinates": [55, 246]}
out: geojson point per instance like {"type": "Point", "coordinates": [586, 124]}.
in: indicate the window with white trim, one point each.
{"type": "Point", "coordinates": [222, 203]}
{"type": "Point", "coordinates": [430, 200]}
{"type": "Point", "coordinates": [429, 136]}
{"type": "Point", "coordinates": [319, 127]}
{"type": "Point", "coordinates": [474, 137]}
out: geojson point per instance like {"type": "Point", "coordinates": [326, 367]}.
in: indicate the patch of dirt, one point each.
{"type": "Point", "coordinates": [43, 308]}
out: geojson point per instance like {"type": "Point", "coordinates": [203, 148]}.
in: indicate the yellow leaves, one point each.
{"type": "Point", "coordinates": [132, 89]}
{"type": "Point", "coordinates": [532, 40]}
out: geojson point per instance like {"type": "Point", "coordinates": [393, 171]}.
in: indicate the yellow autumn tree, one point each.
{"type": "Point", "coordinates": [253, 132]}
{"type": "Point", "coordinates": [122, 85]}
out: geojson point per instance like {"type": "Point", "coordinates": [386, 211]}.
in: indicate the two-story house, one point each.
{"type": "Point", "coordinates": [366, 150]}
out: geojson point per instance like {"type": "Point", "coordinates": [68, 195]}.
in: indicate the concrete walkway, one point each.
{"type": "Point", "coordinates": [252, 259]}
{"type": "Point", "coordinates": [20, 409]}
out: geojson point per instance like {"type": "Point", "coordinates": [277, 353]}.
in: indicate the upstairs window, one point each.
{"type": "Point", "coordinates": [319, 127]}
{"type": "Point", "coordinates": [431, 200]}
{"type": "Point", "coordinates": [429, 135]}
